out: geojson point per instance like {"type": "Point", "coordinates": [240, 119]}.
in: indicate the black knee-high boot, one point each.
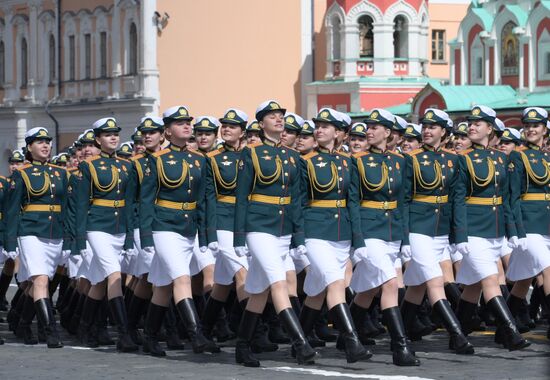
{"type": "Point", "coordinates": [222, 331]}
{"type": "Point", "coordinates": [308, 317]}
{"type": "Point", "coordinates": [465, 312]}
{"type": "Point", "coordinates": [210, 315]}
{"type": "Point", "coordinates": [321, 326]}
{"type": "Point", "coordinates": [5, 280]}
{"type": "Point", "coordinates": [402, 354]}
{"type": "Point", "coordinates": [414, 328]}
{"type": "Point", "coordinates": [354, 349]}
{"type": "Point", "coordinates": [69, 310]}
{"type": "Point", "coordinates": [101, 322]}
{"type": "Point", "coordinates": [188, 314]}
{"type": "Point", "coordinates": [75, 319]}
{"type": "Point", "coordinates": [365, 332]}
{"type": "Point", "coordinates": [87, 333]}
{"type": "Point", "coordinates": [235, 315]}
{"type": "Point", "coordinates": [44, 313]}
{"type": "Point", "coordinates": [505, 320]}
{"type": "Point", "coordinates": [14, 315]}
{"type": "Point", "coordinates": [276, 333]}
{"type": "Point", "coordinates": [23, 329]}
{"type": "Point", "coordinates": [200, 303]}
{"type": "Point", "coordinates": [63, 302]}
{"type": "Point", "coordinates": [54, 283]}
{"type": "Point", "coordinates": [173, 341]}
{"type": "Point", "coordinates": [547, 301]}
{"type": "Point", "coordinates": [245, 332]}
{"type": "Point", "coordinates": [304, 352]}
{"type": "Point", "coordinates": [515, 304]}
{"type": "Point", "coordinates": [118, 310]}
{"type": "Point", "coordinates": [16, 296]}
{"type": "Point", "coordinates": [63, 287]}
{"type": "Point", "coordinates": [452, 292]}
{"type": "Point", "coordinates": [138, 306]}
{"type": "Point", "coordinates": [153, 322]}
{"type": "Point", "coordinates": [457, 341]}
{"type": "Point", "coordinates": [374, 314]}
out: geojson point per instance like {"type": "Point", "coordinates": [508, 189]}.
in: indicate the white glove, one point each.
{"type": "Point", "coordinates": [522, 244]}
{"type": "Point", "coordinates": [242, 251]}
{"type": "Point", "coordinates": [149, 250]}
{"type": "Point", "coordinates": [65, 255]}
{"type": "Point", "coordinates": [406, 252]}
{"type": "Point", "coordinates": [513, 242]}
{"type": "Point", "coordinates": [130, 252]}
{"type": "Point", "coordinates": [463, 248]}
{"type": "Point", "coordinates": [360, 253]}
{"type": "Point", "coordinates": [301, 250]}
{"type": "Point", "coordinates": [84, 253]}
{"type": "Point", "coordinates": [75, 259]}
{"type": "Point", "coordinates": [12, 255]}
{"type": "Point", "coordinates": [213, 246]}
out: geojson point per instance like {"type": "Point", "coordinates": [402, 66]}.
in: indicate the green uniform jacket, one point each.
{"type": "Point", "coordinates": [330, 176]}
{"type": "Point", "coordinates": [529, 170]}
{"type": "Point", "coordinates": [484, 174]}
{"type": "Point", "coordinates": [433, 173]}
{"type": "Point", "coordinates": [42, 185]}
{"type": "Point", "coordinates": [72, 191]}
{"type": "Point", "coordinates": [175, 175]}
{"type": "Point", "coordinates": [104, 177]}
{"type": "Point", "coordinates": [4, 185]}
{"type": "Point", "coordinates": [266, 169]}
{"type": "Point", "coordinates": [380, 177]}
{"type": "Point", "coordinates": [221, 183]}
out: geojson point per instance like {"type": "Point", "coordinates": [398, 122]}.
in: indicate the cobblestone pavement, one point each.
{"type": "Point", "coordinates": [18, 361]}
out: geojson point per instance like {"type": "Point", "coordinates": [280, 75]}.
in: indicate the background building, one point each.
{"type": "Point", "coordinates": [80, 60]}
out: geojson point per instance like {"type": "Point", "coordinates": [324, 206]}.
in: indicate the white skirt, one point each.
{"type": "Point", "coordinates": [270, 260]}
{"type": "Point", "coordinates": [75, 261]}
{"type": "Point", "coordinates": [106, 249]}
{"type": "Point", "coordinates": [505, 251]}
{"type": "Point", "coordinates": [455, 255]}
{"type": "Point", "coordinates": [22, 272]}
{"type": "Point", "coordinates": [426, 255]}
{"type": "Point", "coordinates": [328, 264]}
{"type": "Point", "coordinates": [200, 259]}
{"type": "Point", "coordinates": [379, 265]}
{"type": "Point", "coordinates": [173, 254]}
{"type": "Point", "coordinates": [529, 263]}
{"type": "Point", "coordinates": [227, 261]}
{"type": "Point", "coordinates": [143, 259]}
{"type": "Point", "coordinates": [481, 262]}
{"type": "Point", "coordinates": [41, 256]}
{"type": "Point", "coordinates": [81, 265]}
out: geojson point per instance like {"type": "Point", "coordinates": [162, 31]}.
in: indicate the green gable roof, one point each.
{"type": "Point", "coordinates": [485, 17]}
{"type": "Point", "coordinates": [520, 14]}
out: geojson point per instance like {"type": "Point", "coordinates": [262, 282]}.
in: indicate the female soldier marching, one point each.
{"type": "Point", "coordinates": [267, 212]}
{"type": "Point", "coordinates": [36, 209]}
{"type": "Point", "coordinates": [484, 181]}
{"type": "Point", "coordinates": [380, 175]}
{"type": "Point", "coordinates": [332, 228]}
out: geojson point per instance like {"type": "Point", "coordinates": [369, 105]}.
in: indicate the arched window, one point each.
{"type": "Point", "coordinates": [2, 63]}
{"type": "Point", "coordinates": [366, 37]}
{"type": "Point", "coordinates": [51, 58]}
{"type": "Point", "coordinates": [133, 51]}
{"type": "Point", "coordinates": [400, 37]}
{"type": "Point", "coordinates": [335, 38]}
{"type": "Point", "coordinates": [510, 50]}
{"type": "Point", "coordinates": [24, 63]}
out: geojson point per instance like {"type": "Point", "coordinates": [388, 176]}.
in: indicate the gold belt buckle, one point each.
{"type": "Point", "coordinates": [185, 206]}
{"type": "Point", "coordinates": [495, 201]}
{"type": "Point", "coordinates": [547, 196]}
{"type": "Point", "coordinates": [385, 205]}
{"type": "Point", "coordinates": [281, 200]}
{"type": "Point", "coordinates": [52, 208]}
{"type": "Point", "coordinates": [116, 203]}
{"type": "Point", "coordinates": [438, 199]}
{"type": "Point", "coordinates": [338, 203]}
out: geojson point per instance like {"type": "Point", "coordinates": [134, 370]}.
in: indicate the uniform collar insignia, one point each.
{"type": "Point", "coordinates": [533, 146]}
{"type": "Point", "coordinates": [375, 150]}
{"type": "Point", "coordinates": [107, 155]}
{"type": "Point", "coordinates": [431, 148]}
{"type": "Point", "coordinates": [478, 146]}
{"type": "Point", "coordinates": [40, 163]}
{"type": "Point", "coordinates": [176, 148]}
{"type": "Point", "coordinates": [270, 142]}
{"type": "Point", "coordinates": [323, 150]}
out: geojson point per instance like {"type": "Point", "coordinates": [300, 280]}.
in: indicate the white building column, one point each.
{"type": "Point", "coordinates": [523, 40]}
{"type": "Point", "coordinates": [116, 35]}
{"type": "Point", "coordinates": [32, 51]}
{"type": "Point", "coordinates": [330, 72]}
{"type": "Point", "coordinates": [349, 34]}
{"type": "Point", "coordinates": [414, 53]}
{"type": "Point", "coordinates": [383, 49]}
{"type": "Point", "coordinates": [9, 82]}
{"type": "Point", "coordinates": [148, 72]}
{"type": "Point", "coordinates": [21, 127]}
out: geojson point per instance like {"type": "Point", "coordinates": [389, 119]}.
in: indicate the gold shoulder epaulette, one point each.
{"type": "Point", "coordinates": [57, 166]}
{"type": "Point", "coordinates": [93, 158]}
{"type": "Point", "coordinates": [521, 148]}
{"type": "Point", "coordinates": [161, 152]}
{"type": "Point", "coordinates": [137, 157]}
{"type": "Point", "coordinates": [255, 144]}
{"type": "Point", "coordinates": [395, 153]}
{"type": "Point", "coordinates": [360, 154]}
{"type": "Point", "coordinates": [345, 154]}
{"type": "Point", "coordinates": [465, 152]}
{"type": "Point", "coordinates": [198, 153]}
{"type": "Point", "coordinates": [309, 155]}
{"type": "Point", "coordinates": [415, 152]}
{"type": "Point", "coordinates": [214, 152]}
{"type": "Point", "coordinates": [123, 159]}
{"type": "Point", "coordinates": [26, 166]}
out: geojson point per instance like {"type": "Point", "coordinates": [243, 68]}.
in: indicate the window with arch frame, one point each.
{"type": "Point", "coordinates": [133, 50]}
{"type": "Point", "coordinates": [24, 63]}
{"type": "Point", "coordinates": [51, 59]}
{"type": "Point", "coordinates": [366, 36]}
{"type": "Point", "coordinates": [2, 63]}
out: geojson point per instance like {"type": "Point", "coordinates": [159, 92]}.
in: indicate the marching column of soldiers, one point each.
{"type": "Point", "coordinates": [281, 230]}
